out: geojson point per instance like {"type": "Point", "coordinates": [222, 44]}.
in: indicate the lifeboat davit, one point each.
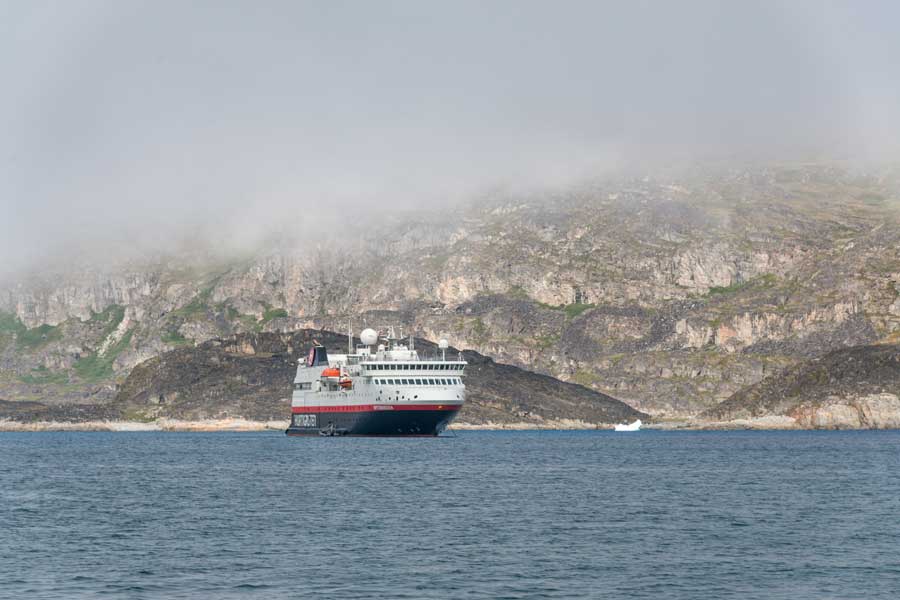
{"type": "Point", "coordinates": [333, 373]}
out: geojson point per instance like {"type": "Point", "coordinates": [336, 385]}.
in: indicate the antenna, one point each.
{"type": "Point", "coordinates": [349, 336]}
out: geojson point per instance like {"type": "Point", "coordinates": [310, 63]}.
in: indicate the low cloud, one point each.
{"type": "Point", "coordinates": [144, 124]}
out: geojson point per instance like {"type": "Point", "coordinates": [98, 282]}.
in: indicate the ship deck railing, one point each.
{"type": "Point", "coordinates": [355, 360]}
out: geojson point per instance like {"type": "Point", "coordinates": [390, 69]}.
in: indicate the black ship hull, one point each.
{"type": "Point", "coordinates": [424, 422]}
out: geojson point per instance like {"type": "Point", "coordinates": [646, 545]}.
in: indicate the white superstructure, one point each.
{"type": "Point", "coordinates": [392, 376]}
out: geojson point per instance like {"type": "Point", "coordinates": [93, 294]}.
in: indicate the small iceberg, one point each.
{"type": "Point", "coordinates": [632, 427]}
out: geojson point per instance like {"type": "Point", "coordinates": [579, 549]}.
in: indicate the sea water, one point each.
{"type": "Point", "coordinates": [480, 515]}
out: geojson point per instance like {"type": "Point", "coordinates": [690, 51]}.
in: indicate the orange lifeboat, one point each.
{"type": "Point", "coordinates": [331, 372]}
{"type": "Point", "coordinates": [346, 383]}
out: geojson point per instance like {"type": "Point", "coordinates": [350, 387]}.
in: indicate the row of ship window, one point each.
{"type": "Point", "coordinates": [424, 366]}
{"type": "Point", "coordinates": [440, 381]}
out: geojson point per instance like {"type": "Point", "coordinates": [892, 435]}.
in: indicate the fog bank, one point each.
{"type": "Point", "coordinates": [144, 123]}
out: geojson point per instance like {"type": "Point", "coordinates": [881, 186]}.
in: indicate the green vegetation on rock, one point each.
{"type": "Point", "coordinates": [273, 313]}
{"type": "Point", "coordinates": [573, 310]}
{"type": "Point", "coordinates": [767, 280]}
{"type": "Point", "coordinates": [480, 332]}
{"type": "Point", "coordinates": [585, 378]}
{"type": "Point", "coordinates": [111, 316]}
{"type": "Point", "coordinates": [10, 324]}
{"type": "Point", "coordinates": [544, 342]}
{"type": "Point", "coordinates": [12, 327]}
{"type": "Point", "coordinates": [727, 289]}
{"type": "Point", "coordinates": [173, 337]}
{"type": "Point", "coordinates": [196, 307]}
{"type": "Point", "coordinates": [96, 367]}
{"type": "Point", "coordinates": [518, 292]}
{"type": "Point", "coordinates": [872, 198]}
{"type": "Point", "coordinates": [32, 338]}
{"type": "Point", "coordinates": [41, 375]}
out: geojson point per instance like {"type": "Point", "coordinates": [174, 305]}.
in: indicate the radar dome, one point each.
{"type": "Point", "coordinates": [443, 344]}
{"type": "Point", "coordinates": [368, 336]}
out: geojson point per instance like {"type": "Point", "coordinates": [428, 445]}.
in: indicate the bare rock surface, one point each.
{"type": "Point", "coordinates": [851, 388]}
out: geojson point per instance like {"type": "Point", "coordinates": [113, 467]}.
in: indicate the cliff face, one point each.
{"type": "Point", "coordinates": [850, 388]}
{"type": "Point", "coordinates": [670, 293]}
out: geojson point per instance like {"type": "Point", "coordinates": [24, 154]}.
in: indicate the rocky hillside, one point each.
{"type": "Point", "coordinates": [855, 387]}
{"type": "Point", "coordinates": [250, 376]}
{"type": "Point", "coordinates": [671, 292]}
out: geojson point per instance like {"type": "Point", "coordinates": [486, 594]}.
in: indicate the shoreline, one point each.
{"type": "Point", "coordinates": [771, 423]}
{"type": "Point", "coordinates": [173, 425]}
{"type": "Point", "coordinates": [239, 425]}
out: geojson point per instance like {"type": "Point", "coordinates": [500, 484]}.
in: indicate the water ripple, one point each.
{"type": "Point", "coordinates": [482, 515]}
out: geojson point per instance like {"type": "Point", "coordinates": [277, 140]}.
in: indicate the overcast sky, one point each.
{"type": "Point", "coordinates": [137, 120]}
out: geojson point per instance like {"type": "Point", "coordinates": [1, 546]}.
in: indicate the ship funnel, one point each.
{"type": "Point", "coordinates": [317, 357]}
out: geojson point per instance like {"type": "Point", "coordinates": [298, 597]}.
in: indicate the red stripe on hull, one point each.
{"type": "Point", "coordinates": [373, 408]}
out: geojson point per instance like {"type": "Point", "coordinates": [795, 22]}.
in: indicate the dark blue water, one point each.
{"type": "Point", "coordinates": [482, 515]}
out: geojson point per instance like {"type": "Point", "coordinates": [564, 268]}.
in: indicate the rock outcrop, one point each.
{"type": "Point", "coordinates": [250, 376]}
{"type": "Point", "coordinates": [851, 388]}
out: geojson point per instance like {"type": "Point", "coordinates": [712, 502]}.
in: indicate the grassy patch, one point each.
{"type": "Point", "coordinates": [42, 375]}
{"type": "Point", "coordinates": [872, 199]}
{"type": "Point", "coordinates": [12, 327]}
{"type": "Point", "coordinates": [232, 314]}
{"type": "Point", "coordinates": [196, 307]}
{"type": "Point", "coordinates": [573, 310]}
{"type": "Point", "coordinates": [32, 338]}
{"type": "Point", "coordinates": [250, 322]}
{"type": "Point", "coordinates": [891, 338]}
{"type": "Point", "coordinates": [615, 359]}
{"type": "Point", "coordinates": [199, 304]}
{"type": "Point", "coordinates": [585, 378]}
{"type": "Point", "coordinates": [480, 331]}
{"type": "Point", "coordinates": [728, 289]}
{"type": "Point", "coordinates": [766, 280]}
{"type": "Point", "coordinates": [10, 324]}
{"type": "Point", "coordinates": [479, 327]}
{"type": "Point", "coordinates": [546, 341]}
{"type": "Point", "coordinates": [273, 313]}
{"type": "Point", "coordinates": [173, 337]}
{"type": "Point", "coordinates": [112, 315]}
{"type": "Point", "coordinates": [517, 292]}
{"type": "Point", "coordinates": [134, 414]}
{"type": "Point", "coordinates": [100, 366]}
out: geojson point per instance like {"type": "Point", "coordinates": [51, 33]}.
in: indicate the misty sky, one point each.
{"type": "Point", "coordinates": [142, 120]}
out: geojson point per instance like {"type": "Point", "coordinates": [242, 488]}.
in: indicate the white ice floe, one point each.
{"type": "Point", "coordinates": [632, 427]}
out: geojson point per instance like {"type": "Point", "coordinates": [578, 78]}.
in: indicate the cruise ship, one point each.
{"type": "Point", "coordinates": [383, 387]}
